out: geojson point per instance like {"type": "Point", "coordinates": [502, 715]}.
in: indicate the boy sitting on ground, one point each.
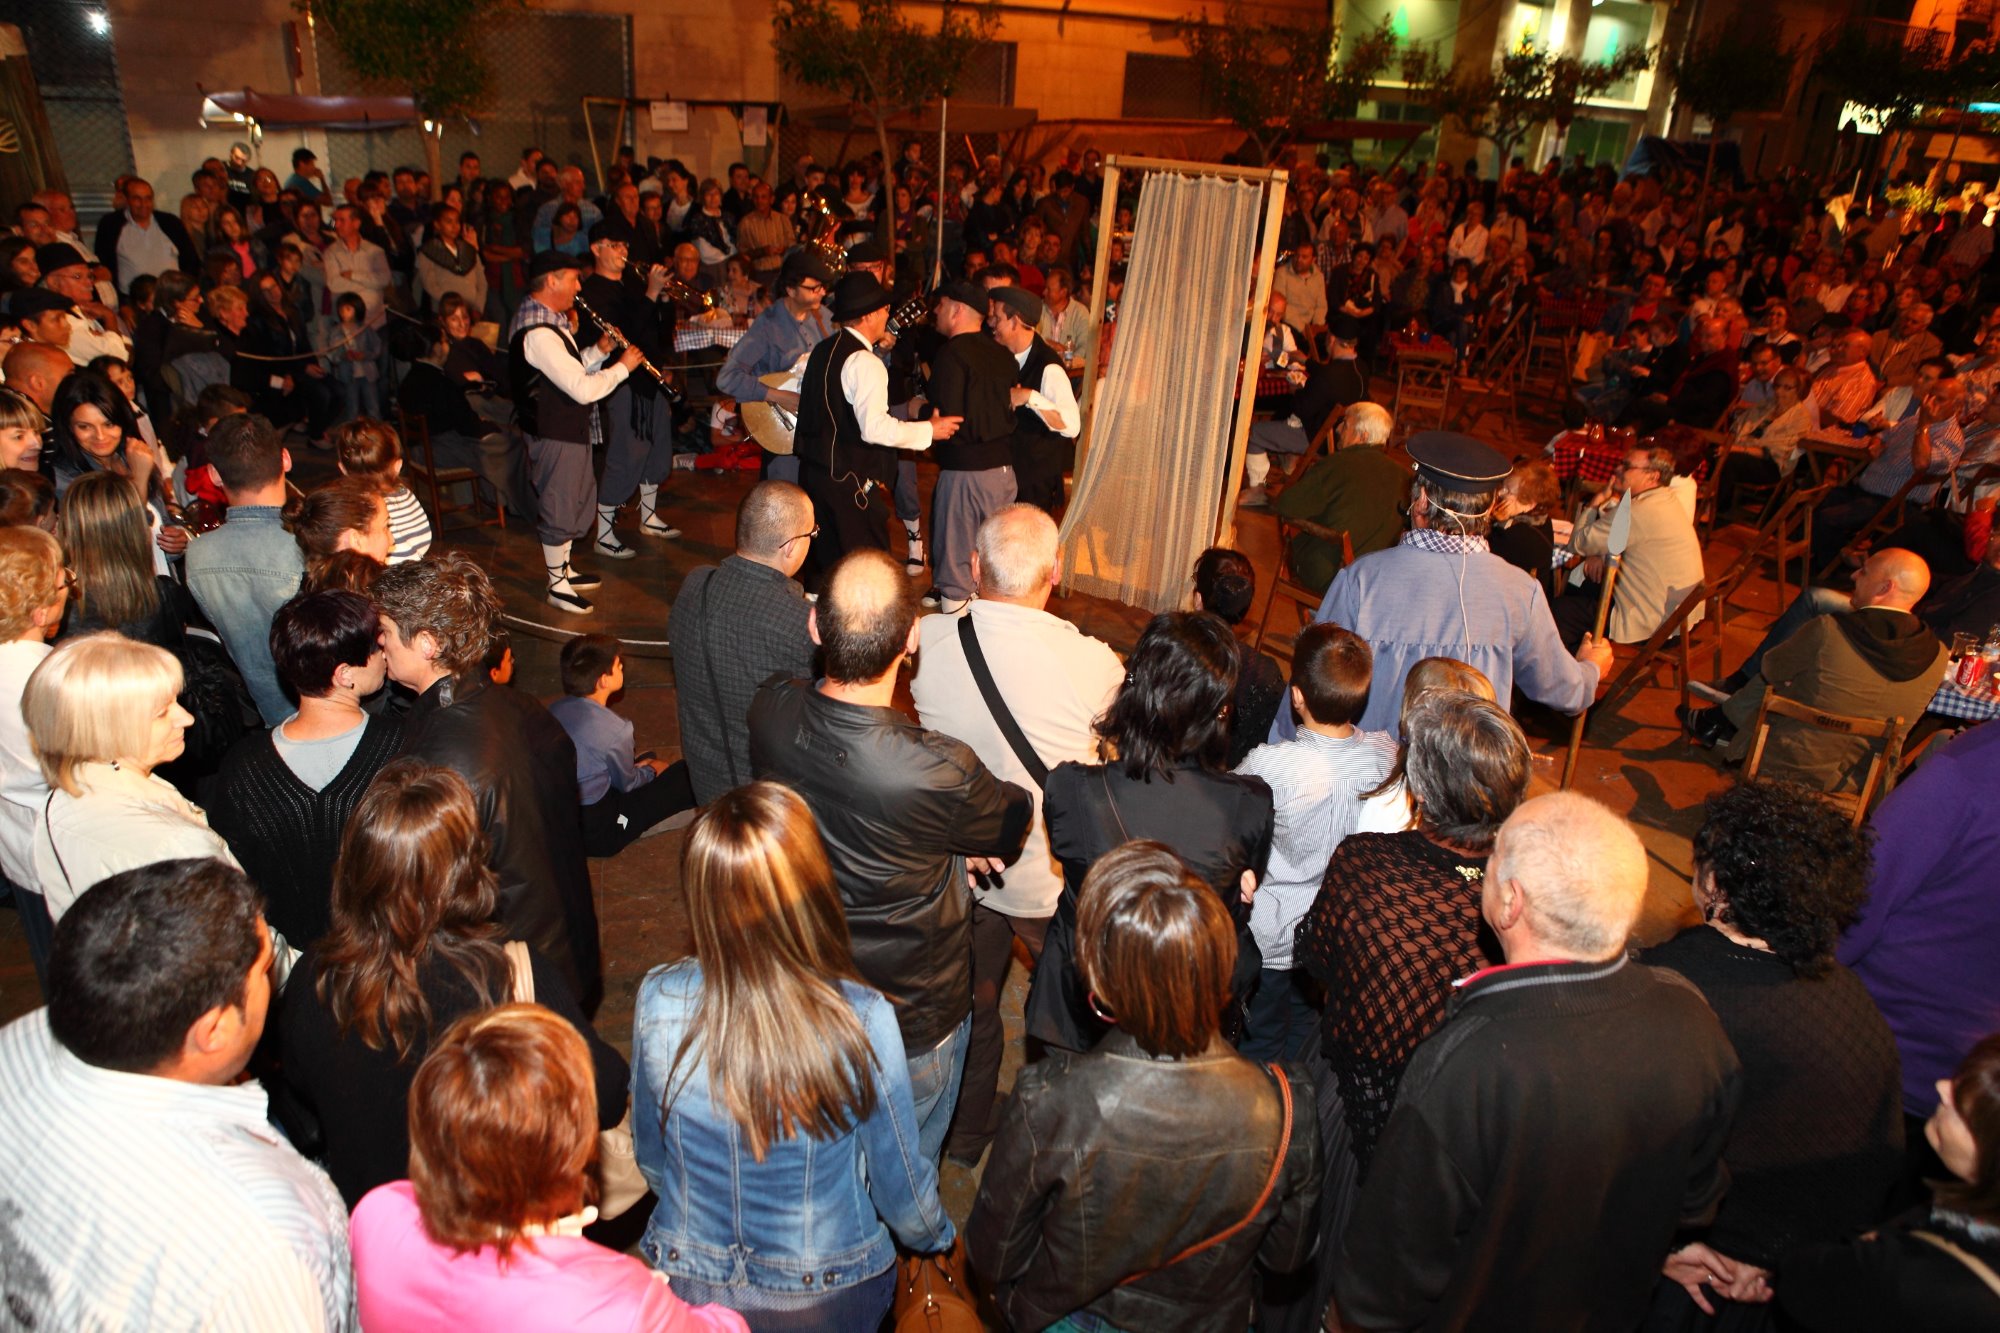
{"type": "Point", "coordinates": [625, 796]}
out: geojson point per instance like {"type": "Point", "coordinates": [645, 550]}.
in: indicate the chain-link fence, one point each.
{"type": "Point", "coordinates": [543, 65]}
{"type": "Point", "coordinates": [69, 47]}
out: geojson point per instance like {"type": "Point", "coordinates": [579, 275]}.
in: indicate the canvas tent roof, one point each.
{"type": "Point", "coordinates": [293, 111]}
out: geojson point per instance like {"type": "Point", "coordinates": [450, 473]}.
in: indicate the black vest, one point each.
{"type": "Point", "coordinates": [542, 408]}
{"type": "Point", "coordinates": [1029, 428]}
{"type": "Point", "coordinates": [829, 434]}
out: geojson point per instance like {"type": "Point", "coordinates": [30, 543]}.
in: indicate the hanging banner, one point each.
{"type": "Point", "coordinates": [669, 117]}
{"type": "Point", "coordinates": [756, 126]}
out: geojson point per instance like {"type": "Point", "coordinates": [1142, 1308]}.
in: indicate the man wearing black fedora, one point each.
{"type": "Point", "coordinates": [847, 444]}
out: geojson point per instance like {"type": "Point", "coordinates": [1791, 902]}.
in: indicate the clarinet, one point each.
{"type": "Point", "coordinates": [618, 336]}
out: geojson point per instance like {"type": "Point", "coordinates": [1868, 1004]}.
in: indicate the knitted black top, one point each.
{"type": "Point", "coordinates": [1817, 1142]}
{"type": "Point", "coordinates": [286, 834]}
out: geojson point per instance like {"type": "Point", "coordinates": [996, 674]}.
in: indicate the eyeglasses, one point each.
{"type": "Point", "coordinates": [69, 580]}
{"type": "Point", "coordinates": [812, 288]}
{"type": "Point", "coordinates": [803, 536]}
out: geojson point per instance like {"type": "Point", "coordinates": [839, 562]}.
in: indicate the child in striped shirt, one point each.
{"type": "Point", "coordinates": [365, 447]}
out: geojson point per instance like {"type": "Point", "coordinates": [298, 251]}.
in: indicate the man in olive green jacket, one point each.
{"type": "Point", "coordinates": [1358, 489]}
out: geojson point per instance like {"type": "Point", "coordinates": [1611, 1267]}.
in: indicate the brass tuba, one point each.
{"type": "Point", "coordinates": [817, 229]}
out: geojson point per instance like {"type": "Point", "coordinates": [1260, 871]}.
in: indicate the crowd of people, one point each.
{"type": "Point", "coordinates": [1331, 1022]}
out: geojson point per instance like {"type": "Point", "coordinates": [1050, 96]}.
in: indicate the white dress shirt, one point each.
{"type": "Point", "coordinates": [143, 250]}
{"type": "Point", "coordinates": [365, 271]}
{"type": "Point", "coordinates": [1055, 396]}
{"type": "Point", "coordinates": [22, 790]}
{"type": "Point", "coordinates": [88, 341]}
{"type": "Point", "coordinates": [136, 1202]}
{"type": "Point", "coordinates": [547, 350]}
{"type": "Point", "coordinates": [864, 383]}
{"type": "Point", "coordinates": [1055, 680]}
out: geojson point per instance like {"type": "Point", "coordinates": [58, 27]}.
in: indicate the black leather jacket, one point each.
{"type": "Point", "coordinates": [899, 809]}
{"type": "Point", "coordinates": [1113, 1162]}
{"type": "Point", "coordinates": [522, 768]}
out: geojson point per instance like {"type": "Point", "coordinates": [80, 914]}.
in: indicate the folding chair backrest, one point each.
{"type": "Point", "coordinates": [1885, 758]}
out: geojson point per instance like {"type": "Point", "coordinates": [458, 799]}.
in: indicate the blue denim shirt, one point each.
{"type": "Point", "coordinates": [240, 574]}
{"type": "Point", "coordinates": [811, 1215]}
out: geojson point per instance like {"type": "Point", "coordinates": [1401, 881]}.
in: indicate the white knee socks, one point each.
{"type": "Point", "coordinates": [649, 501]}
{"type": "Point", "coordinates": [555, 560]}
{"type": "Point", "coordinates": [1256, 467]}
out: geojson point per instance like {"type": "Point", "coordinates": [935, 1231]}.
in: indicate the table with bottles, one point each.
{"type": "Point", "coordinates": [1971, 688]}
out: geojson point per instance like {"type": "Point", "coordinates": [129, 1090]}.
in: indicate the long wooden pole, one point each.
{"type": "Point", "coordinates": [1100, 276]}
{"type": "Point", "coordinates": [1253, 360]}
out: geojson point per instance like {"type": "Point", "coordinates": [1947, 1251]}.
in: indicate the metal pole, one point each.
{"type": "Point", "coordinates": [1100, 276]}
{"type": "Point", "coordinates": [937, 251]}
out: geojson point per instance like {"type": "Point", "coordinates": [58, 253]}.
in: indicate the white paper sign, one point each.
{"type": "Point", "coordinates": [755, 126]}
{"type": "Point", "coordinates": [669, 117]}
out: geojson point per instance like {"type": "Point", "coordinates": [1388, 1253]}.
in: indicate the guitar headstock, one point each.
{"type": "Point", "coordinates": [910, 312]}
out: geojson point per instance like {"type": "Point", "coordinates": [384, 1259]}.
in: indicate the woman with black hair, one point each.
{"type": "Point", "coordinates": [1817, 1143]}
{"type": "Point", "coordinates": [95, 431]}
{"type": "Point", "coordinates": [1225, 584]}
{"type": "Point", "coordinates": [1164, 740]}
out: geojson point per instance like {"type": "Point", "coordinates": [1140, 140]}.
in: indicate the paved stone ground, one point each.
{"type": "Point", "coordinates": [1638, 764]}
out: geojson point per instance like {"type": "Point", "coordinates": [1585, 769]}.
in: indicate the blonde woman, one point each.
{"type": "Point", "coordinates": [33, 592]}
{"type": "Point", "coordinates": [102, 714]}
{"type": "Point", "coordinates": [771, 1105]}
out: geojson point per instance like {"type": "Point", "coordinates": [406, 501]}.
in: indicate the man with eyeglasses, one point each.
{"type": "Point", "coordinates": [1662, 560]}
{"type": "Point", "coordinates": [777, 341]}
{"type": "Point", "coordinates": [736, 625]}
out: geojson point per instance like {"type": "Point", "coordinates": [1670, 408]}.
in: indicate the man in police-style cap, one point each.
{"type": "Point", "coordinates": [972, 377]}
{"type": "Point", "coordinates": [1440, 592]}
{"type": "Point", "coordinates": [846, 442]}
{"type": "Point", "coordinates": [1046, 419]}
{"type": "Point", "coordinates": [556, 387]}
{"type": "Point", "coordinates": [779, 340]}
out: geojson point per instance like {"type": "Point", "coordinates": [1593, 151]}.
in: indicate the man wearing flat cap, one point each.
{"type": "Point", "coordinates": [638, 420]}
{"type": "Point", "coordinates": [42, 316]}
{"type": "Point", "coordinates": [972, 377]}
{"type": "Point", "coordinates": [1440, 592]}
{"type": "Point", "coordinates": [1046, 419]}
{"type": "Point", "coordinates": [846, 442]}
{"type": "Point", "coordinates": [778, 340]}
{"type": "Point", "coordinates": [556, 388]}
{"type": "Point", "coordinates": [93, 327]}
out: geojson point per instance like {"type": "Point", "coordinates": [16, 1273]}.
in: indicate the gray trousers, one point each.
{"type": "Point", "coordinates": [1277, 437]}
{"type": "Point", "coordinates": [565, 492]}
{"type": "Point", "coordinates": [959, 504]}
{"type": "Point", "coordinates": [638, 445]}
{"type": "Point", "coordinates": [907, 507]}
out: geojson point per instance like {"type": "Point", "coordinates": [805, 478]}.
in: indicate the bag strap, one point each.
{"type": "Point", "coordinates": [1980, 1268]}
{"type": "Point", "coordinates": [989, 690]}
{"type": "Point", "coordinates": [1263, 1196]}
{"type": "Point", "coordinates": [523, 970]}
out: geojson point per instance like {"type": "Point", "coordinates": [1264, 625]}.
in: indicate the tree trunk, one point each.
{"type": "Point", "coordinates": [434, 157]}
{"type": "Point", "coordinates": [1707, 174]}
{"type": "Point", "coordinates": [886, 219]}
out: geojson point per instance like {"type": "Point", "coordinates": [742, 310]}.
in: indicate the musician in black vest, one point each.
{"type": "Point", "coordinates": [972, 377]}
{"type": "Point", "coordinates": [638, 421]}
{"type": "Point", "coordinates": [556, 389]}
{"type": "Point", "coordinates": [1046, 419]}
{"type": "Point", "coordinates": [906, 353]}
{"type": "Point", "coordinates": [846, 442]}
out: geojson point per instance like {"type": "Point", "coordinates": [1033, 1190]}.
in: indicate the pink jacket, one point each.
{"type": "Point", "coordinates": [409, 1283]}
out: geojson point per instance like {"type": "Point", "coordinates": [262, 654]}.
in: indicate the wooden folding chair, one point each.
{"type": "Point", "coordinates": [1888, 516]}
{"type": "Point", "coordinates": [1884, 764]}
{"type": "Point", "coordinates": [1496, 384]}
{"type": "Point", "coordinates": [1286, 586]}
{"type": "Point", "coordinates": [1423, 394]}
{"type": "Point", "coordinates": [421, 462]}
{"type": "Point", "coordinates": [1668, 645]}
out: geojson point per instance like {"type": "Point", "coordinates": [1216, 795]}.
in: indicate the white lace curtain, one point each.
{"type": "Point", "coordinates": [1150, 489]}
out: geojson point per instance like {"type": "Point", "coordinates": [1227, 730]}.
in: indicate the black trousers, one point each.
{"type": "Point", "coordinates": [1576, 612]}
{"type": "Point", "coordinates": [977, 1118]}
{"type": "Point", "coordinates": [850, 518]}
{"type": "Point", "coordinates": [621, 818]}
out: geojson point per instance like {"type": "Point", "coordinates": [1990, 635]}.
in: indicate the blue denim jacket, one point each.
{"type": "Point", "coordinates": [240, 574]}
{"type": "Point", "coordinates": [811, 1215]}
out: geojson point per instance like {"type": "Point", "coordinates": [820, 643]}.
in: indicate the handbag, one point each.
{"type": "Point", "coordinates": [932, 1295]}
{"type": "Point", "coordinates": [1263, 1196]}
{"type": "Point", "coordinates": [620, 1184]}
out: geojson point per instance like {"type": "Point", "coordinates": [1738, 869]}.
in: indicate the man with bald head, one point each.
{"type": "Point", "coordinates": [1846, 387]}
{"type": "Point", "coordinates": [1540, 1160]}
{"type": "Point", "coordinates": [1925, 445]}
{"type": "Point", "coordinates": [1053, 681]}
{"type": "Point", "coordinates": [736, 625]}
{"type": "Point", "coordinates": [1875, 659]}
{"type": "Point", "coordinates": [911, 818]}
{"type": "Point", "coordinates": [36, 369]}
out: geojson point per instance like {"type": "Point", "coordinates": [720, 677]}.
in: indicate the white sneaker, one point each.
{"type": "Point", "coordinates": [612, 549]}
{"type": "Point", "coordinates": [655, 526]}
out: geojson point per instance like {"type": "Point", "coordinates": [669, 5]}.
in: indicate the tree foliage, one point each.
{"type": "Point", "coordinates": [427, 48]}
{"type": "Point", "coordinates": [1740, 66]}
{"type": "Point", "coordinates": [1505, 102]}
{"type": "Point", "coordinates": [1275, 78]}
{"type": "Point", "coordinates": [882, 62]}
